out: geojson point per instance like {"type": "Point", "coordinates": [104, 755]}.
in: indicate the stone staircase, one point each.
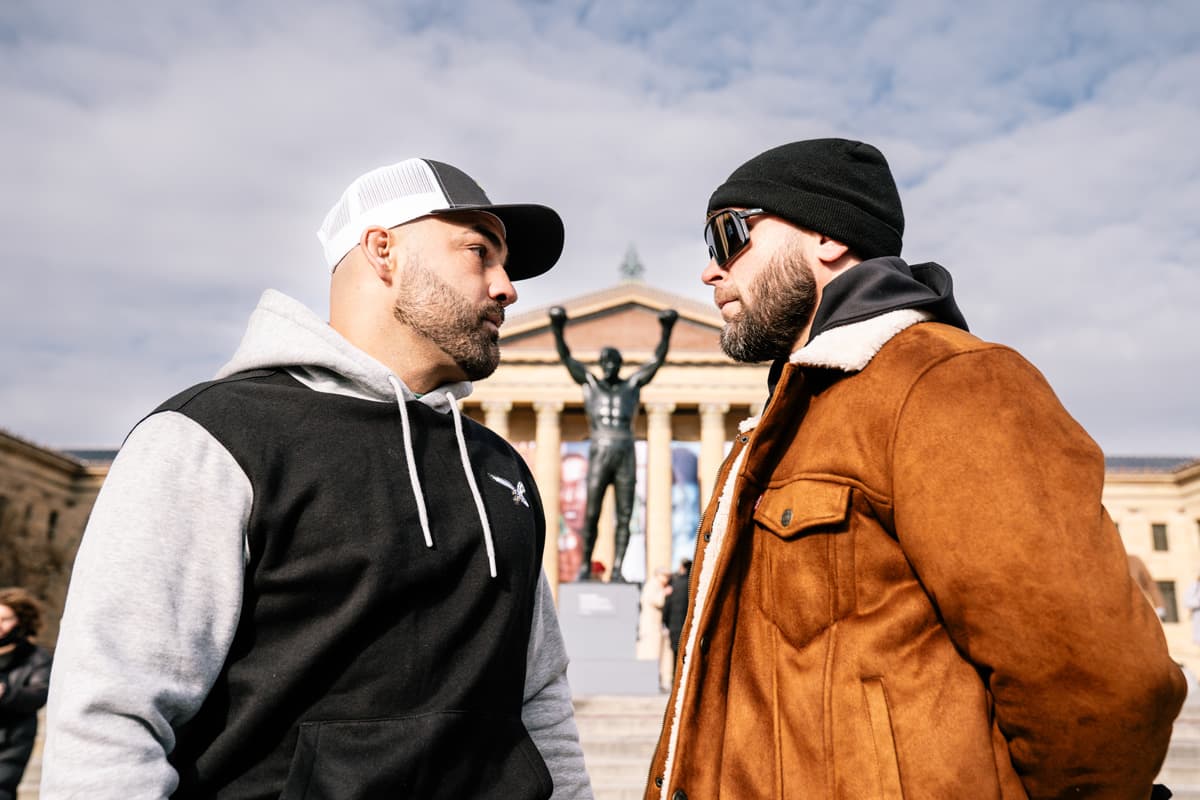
{"type": "Point", "coordinates": [618, 735]}
{"type": "Point", "coordinates": [1181, 770]}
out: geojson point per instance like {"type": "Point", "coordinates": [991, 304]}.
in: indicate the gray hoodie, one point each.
{"type": "Point", "coordinates": [157, 587]}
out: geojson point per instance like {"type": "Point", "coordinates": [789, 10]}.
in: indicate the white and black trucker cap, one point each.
{"type": "Point", "coordinates": [398, 193]}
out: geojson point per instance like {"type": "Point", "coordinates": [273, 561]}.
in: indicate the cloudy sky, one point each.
{"type": "Point", "coordinates": [162, 163]}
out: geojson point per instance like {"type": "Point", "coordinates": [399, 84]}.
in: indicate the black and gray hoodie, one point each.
{"type": "Point", "coordinates": [301, 580]}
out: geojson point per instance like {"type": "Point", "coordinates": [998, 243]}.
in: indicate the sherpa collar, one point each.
{"type": "Point", "coordinates": [851, 347]}
{"type": "Point", "coordinates": [848, 347]}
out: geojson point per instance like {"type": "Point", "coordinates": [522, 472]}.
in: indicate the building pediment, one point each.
{"type": "Point", "coordinates": [625, 317]}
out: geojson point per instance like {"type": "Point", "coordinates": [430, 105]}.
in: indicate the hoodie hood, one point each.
{"type": "Point", "coordinates": [283, 333]}
{"type": "Point", "coordinates": [864, 307]}
{"type": "Point", "coordinates": [886, 284]}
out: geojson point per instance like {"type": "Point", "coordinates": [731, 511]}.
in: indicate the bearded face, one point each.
{"type": "Point", "coordinates": [782, 298]}
{"type": "Point", "coordinates": [436, 310]}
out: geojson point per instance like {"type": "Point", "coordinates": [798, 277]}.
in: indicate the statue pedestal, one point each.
{"type": "Point", "coordinates": [600, 624]}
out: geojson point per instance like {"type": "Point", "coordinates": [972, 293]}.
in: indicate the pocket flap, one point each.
{"type": "Point", "coordinates": [791, 509]}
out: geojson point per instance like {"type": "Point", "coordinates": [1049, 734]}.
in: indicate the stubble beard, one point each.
{"type": "Point", "coordinates": [785, 293]}
{"type": "Point", "coordinates": [436, 310]}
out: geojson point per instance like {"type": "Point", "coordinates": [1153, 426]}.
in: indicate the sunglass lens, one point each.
{"type": "Point", "coordinates": [715, 250]}
{"type": "Point", "coordinates": [725, 235]}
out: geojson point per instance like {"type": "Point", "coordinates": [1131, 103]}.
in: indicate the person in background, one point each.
{"type": "Point", "coordinates": [906, 584]}
{"type": "Point", "coordinates": [675, 606]}
{"type": "Point", "coordinates": [1145, 581]}
{"type": "Point", "coordinates": [24, 680]}
{"type": "Point", "coordinates": [653, 642]}
{"type": "Point", "coordinates": [337, 573]}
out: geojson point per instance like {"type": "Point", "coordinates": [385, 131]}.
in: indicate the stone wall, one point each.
{"type": "Point", "coordinates": [45, 499]}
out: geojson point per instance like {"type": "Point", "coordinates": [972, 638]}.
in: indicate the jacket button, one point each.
{"type": "Point", "coordinates": [658, 781]}
{"type": "Point", "coordinates": [743, 440]}
{"type": "Point", "coordinates": [703, 645]}
{"type": "Point", "coordinates": [708, 536]}
{"type": "Point", "coordinates": [786, 519]}
{"type": "Point", "coordinates": [680, 794]}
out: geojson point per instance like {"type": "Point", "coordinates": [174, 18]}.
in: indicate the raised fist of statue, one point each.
{"type": "Point", "coordinates": [558, 317]}
{"type": "Point", "coordinates": [666, 317]}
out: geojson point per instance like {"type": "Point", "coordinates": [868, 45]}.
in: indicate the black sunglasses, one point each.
{"type": "Point", "coordinates": [727, 234]}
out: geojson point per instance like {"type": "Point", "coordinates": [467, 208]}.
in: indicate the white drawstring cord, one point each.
{"type": "Point", "coordinates": [413, 478]}
{"type": "Point", "coordinates": [466, 462]}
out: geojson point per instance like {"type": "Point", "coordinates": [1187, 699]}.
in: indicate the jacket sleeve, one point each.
{"type": "Point", "coordinates": [997, 506]}
{"type": "Point", "coordinates": [151, 610]}
{"type": "Point", "coordinates": [548, 713]}
{"type": "Point", "coordinates": [30, 695]}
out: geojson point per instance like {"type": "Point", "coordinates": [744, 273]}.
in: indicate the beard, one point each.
{"type": "Point", "coordinates": [785, 296]}
{"type": "Point", "coordinates": [436, 310]}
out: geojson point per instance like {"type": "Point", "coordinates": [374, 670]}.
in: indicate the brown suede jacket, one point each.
{"type": "Point", "coordinates": [906, 587]}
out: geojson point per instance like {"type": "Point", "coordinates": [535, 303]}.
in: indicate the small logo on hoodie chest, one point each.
{"type": "Point", "coordinates": [518, 490]}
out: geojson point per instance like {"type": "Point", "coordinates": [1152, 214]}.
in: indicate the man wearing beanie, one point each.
{"type": "Point", "coordinates": [905, 584]}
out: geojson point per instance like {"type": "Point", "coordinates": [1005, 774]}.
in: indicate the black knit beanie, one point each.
{"type": "Point", "coordinates": [835, 187]}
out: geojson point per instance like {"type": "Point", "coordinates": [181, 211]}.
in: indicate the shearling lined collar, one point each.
{"type": "Point", "coordinates": [851, 347]}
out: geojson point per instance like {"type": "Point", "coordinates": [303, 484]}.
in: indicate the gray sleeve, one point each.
{"type": "Point", "coordinates": [153, 603]}
{"type": "Point", "coordinates": [548, 713]}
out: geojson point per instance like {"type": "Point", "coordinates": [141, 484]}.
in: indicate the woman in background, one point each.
{"type": "Point", "coordinates": [24, 678]}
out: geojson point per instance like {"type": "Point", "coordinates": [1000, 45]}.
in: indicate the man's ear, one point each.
{"type": "Point", "coordinates": [376, 245]}
{"type": "Point", "coordinates": [831, 250]}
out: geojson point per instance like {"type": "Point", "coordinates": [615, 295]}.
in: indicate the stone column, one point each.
{"type": "Point", "coordinates": [495, 416]}
{"type": "Point", "coordinates": [658, 486]}
{"type": "Point", "coordinates": [712, 447]}
{"type": "Point", "coordinates": [548, 469]}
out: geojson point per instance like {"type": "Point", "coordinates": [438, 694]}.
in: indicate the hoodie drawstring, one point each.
{"type": "Point", "coordinates": [414, 478]}
{"type": "Point", "coordinates": [466, 462]}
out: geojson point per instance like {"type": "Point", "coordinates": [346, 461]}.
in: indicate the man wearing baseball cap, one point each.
{"type": "Point", "coordinates": [314, 576]}
{"type": "Point", "coordinates": [905, 583]}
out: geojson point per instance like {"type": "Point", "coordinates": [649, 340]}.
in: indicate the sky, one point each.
{"type": "Point", "coordinates": [161, 164]}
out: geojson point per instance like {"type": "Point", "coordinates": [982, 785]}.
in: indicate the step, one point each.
{"type": "Point", "coordinates": [627, 792]}
{"type": "Point", "coordinates": [608, 727]}
{"type": "Point", "coordinates": [618, 735]}
{"type": "Point", "coordinates": [612, 704]}
{"type": "Point", "coordinates": [1179, 776]}
{"type": "Point", "coordinates": [633, 748]}
{"type": "Point", "coordinates": [1185, 751]}
{"type": "Point", "coordinates": [617, 772]}
{"type": "Point", "coordinates": [1184, 791]}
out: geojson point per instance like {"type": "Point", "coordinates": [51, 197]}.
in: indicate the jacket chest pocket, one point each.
{"type": "Point", "coordinates": [804, 546]}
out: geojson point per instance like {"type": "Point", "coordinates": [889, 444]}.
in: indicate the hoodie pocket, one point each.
{"type": "Point", "coordinates": [880, 720]}
{"type": "Point", "coordinates": [444, 755]}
